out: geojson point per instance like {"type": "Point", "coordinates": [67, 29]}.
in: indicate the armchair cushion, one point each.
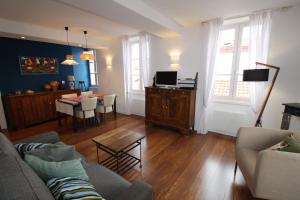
{"type": "Point", "coordinates": [291, 145]}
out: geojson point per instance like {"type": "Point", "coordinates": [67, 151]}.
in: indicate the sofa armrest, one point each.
{"type": "Point", "coordinates": [138, 191]}
{"type": "Point", "coordinates": [277, 175]}
{"type": "Point", "coordinates": [259, 138]}
{"type": "Point", "coordinates": [48, 137]}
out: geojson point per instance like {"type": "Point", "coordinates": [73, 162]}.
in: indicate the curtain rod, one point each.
{"type": "Point", "coordinates": [284, 8]}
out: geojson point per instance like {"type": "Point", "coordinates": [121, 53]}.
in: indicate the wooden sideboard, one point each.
{"type": "Point", "coordinates": [28, 109]}
{"type": "Point", "coordinates": [171, 107]}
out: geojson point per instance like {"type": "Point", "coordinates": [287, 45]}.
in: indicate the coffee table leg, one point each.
{"type": "Point", "coordinates": [117, 162]}
{"type": "Point", "coordinates": [140, 153]}
{"type": "Point", "coordinates": [98, 155]}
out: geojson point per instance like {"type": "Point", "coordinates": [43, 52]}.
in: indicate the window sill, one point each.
{"type": "Point", "coordinates": [232, 101]}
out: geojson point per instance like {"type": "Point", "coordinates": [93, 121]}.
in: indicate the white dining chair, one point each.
{"type": "Point", "coordinates": [87, 109]}
{"type": "Point", "coordinates": [88, 93]}
{"type": "Point", "coordinates": [66, 96]}
{"type": "Point", "coordinates": [107, 105]}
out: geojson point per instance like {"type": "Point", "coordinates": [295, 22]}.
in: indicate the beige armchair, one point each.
{"type": "Point", "coordinates": [270, 174]}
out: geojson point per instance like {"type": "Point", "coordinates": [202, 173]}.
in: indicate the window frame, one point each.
{"type": "Point", "coordinates": [232, 98]}
{"type": "Point", "coordinates": [96, 70]}
{"type": "Point", "coordinates": [135, 40]}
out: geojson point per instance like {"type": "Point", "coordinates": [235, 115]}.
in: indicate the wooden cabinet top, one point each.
{"type": "Point", "coordinates": [44, 93]}
{"type": "Point", "coordinates": [169, 89]}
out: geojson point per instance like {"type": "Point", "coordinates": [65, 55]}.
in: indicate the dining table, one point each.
{"type": "Point", "coordinates": [69, 105]}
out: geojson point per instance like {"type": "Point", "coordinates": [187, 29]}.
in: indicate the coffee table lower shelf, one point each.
{"type": "Point", "coordinates": [120, 161]}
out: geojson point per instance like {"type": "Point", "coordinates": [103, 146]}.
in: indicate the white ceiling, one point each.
{"type": "Point", "coordinates": [56, 15]}
{"type": "Point", "coordinates": [44, 20]}
{"type": "Point", "coordinates": [189, 12]}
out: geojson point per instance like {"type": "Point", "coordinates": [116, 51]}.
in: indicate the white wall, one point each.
{"type": "Point", "coordinates": [224, 118]}
{"type": "Point", "coordinates": [284, 52]}
{"type": "Point", "coordinates": [112, 80]}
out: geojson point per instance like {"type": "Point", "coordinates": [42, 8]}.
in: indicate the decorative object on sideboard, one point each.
{"type": "Point", "coordinates": [29, 92]}
{"type": "Point", "coordinates": [261, 75]}
{"type": "Point", "coordinates": [54, 85]}
{"type": "Point", "coordinates": [86, 54]}
{"type": "Point", "coordinates": [69, 57]}
{"type": "Point", "coordinates": [38, 65]}
{"type": "Point", "coordinates": [47, 87]}
{"type": "Point", "coordinates": [18, 92]}
{"type": "Point", "coordinates": [71, 80]}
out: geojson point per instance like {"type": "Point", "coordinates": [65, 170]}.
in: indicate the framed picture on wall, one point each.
{"type": "Point", "coordinates": [38, 65]}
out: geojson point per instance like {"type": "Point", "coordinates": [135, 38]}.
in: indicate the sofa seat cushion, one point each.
{"type": "Point", "coordinates": [18, 181]}
{"type": "Point", "coordinates": [246, 159]}
{"type": "Point", "coordinates": [107, 183]}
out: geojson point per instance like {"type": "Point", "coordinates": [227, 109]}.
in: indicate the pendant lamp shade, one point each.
{"type": "Point", "coordinates": [69, 60]}
{"type": "Point", "coordinates": [86, 55]}
{"type": "Point", "coordinates": [69, 57]}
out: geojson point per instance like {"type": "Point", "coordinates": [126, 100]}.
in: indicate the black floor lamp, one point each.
{"type": "Point", "coordinates": [261, 75]}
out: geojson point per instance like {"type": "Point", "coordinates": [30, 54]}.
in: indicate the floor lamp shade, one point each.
{"type": "Point", "coordinates": [256, 75]}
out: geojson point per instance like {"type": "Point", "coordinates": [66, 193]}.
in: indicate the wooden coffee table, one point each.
{"type": "Point", "coordinates": [117, 143]}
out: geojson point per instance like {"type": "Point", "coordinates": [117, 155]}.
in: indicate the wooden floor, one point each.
{"type": "Point", "coordinates": [178, 167]}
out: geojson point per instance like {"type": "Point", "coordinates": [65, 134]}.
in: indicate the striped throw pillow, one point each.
{"type": "Point", "coordinates": [22, 148]}
{"type": "Point", "coordinates": [68, 188]}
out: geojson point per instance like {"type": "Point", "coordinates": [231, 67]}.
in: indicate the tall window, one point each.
{"type": "Point", "coordinates": [93, 70]}
{"type": "Point", "coordinates": [232, 59]}
{"type": "Point", "coordinates": [136, 82]}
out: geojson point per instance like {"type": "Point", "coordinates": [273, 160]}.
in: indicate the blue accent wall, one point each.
{"type": "Point", "coordinates": [80, 72]}
{"type": "Point", "coordinates": [10, 75]}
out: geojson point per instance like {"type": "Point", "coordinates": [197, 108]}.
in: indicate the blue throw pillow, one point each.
{"type": "Point", "coordinates": [67, 188]}
{"type": "Point", "coordinates": [47, 169]}
{"type": "Point", "coordinates": [22, 148]}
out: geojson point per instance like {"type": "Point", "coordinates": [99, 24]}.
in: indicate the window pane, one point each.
{"type": "Point", "coordinates": [135, 53]}
{"type": "Point", "coordinates": [222, 85]}
{"type": "Point", "coordinates": [243, 89]}
{"type": "Point", "coordinates": [135, 82]}
{"type": "Point", "coordinates": [93, 79]}
{"type": "Point", "coordinates": [225, 53]}
{"type": "Point", "coordinates": [92, 67]}
{"type": "Point", "coordinates": [244, 50]}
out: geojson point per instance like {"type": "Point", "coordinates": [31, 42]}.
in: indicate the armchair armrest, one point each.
{"type": "Point", "coordinates": [259, 138]}
{"type": "Point", "coordinates": [277, 175]}
{"type": "Point", "coordinates": [138, 191]}
{"type": "Point", "coordinates": [48, 137]}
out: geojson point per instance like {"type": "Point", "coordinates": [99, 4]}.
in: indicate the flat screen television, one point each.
{"type": "Point", "coordinates": [166, 78]}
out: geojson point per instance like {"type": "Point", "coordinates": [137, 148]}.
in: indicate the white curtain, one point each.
{"type": "Point", "coordinates": [126, 68]}
{"type": "Point", "coordinates": [144, 45]}
{"type": "Point", "coordinates": [210, 36]}
{"type": "Point", "coordinates": [260, 28]}
{"type": "Point", "coordinates": [145, 54]}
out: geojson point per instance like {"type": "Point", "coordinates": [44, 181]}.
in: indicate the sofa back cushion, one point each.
{"type": "Point", "coordinates": [18, 181]}
{"type": "Point", "coordinates": [6, 147]}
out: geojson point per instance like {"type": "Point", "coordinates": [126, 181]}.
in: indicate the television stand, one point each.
{"type": "Point", "coordinates": [171, 107]}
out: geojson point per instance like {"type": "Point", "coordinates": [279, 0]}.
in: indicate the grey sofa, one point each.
{"type": "Point", "coordinates": [18, 181]}
{"type": "Point", "coordinates": [269, 174]}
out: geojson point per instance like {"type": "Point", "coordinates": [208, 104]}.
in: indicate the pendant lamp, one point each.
{"type": "Point", "coordinates": [86, 55]}
{"type": "Point", "coordinates": [69, 57]}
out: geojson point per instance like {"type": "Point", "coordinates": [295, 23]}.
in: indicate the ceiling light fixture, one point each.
{"type": "Point", "coordinates": [86, 54]}
{"type": "Point", "coordinates": [69, 57]}
{"type": "Point", "coordinates": [22, 37]}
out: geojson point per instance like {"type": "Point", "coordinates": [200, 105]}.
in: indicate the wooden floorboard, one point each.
{"type": "Point", "coordinates": [178, 167]}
